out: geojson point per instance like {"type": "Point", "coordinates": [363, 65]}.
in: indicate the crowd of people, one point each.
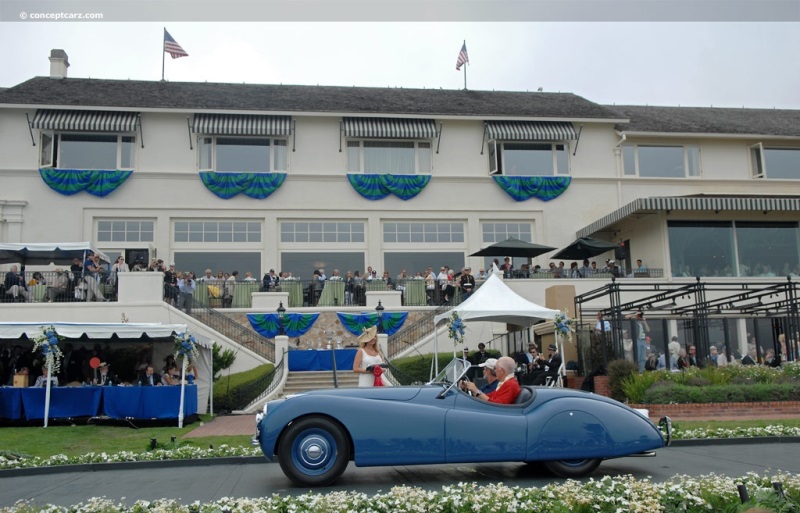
{"type": "Point", "coordinates": [650, 355]}
{"type": "Point", "coordinates": [88, 367]}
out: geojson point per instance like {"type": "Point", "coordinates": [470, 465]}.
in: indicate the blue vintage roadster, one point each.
{"type": "Point", "coordinates": [315, 434]}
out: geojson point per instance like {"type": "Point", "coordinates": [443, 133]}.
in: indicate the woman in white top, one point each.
{"type": "Point", "coordinates": [366, 356]}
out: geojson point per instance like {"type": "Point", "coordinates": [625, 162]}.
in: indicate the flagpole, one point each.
{"type": "Point", "coordinates": [465, 67]}
{"type": "Point", "coordinates": [163, 51]}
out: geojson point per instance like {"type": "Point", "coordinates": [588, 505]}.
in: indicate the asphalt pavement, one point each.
{"type": "Point", "coordinates": [199, 480]}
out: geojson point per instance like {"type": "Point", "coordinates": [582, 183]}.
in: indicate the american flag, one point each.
{"type": "Point", "coordinates": [172, 47]}
{"type": "Point", "coordinates": [463, 58]}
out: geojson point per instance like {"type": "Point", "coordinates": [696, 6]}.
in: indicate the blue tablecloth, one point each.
{"type": "Point", "coordinates": [148, 402]}
{"type": "Point", "coordinates": [64, 402]}
{"type": "Point", "coordinates": [10, 403]}
{"type": "Point", "coordinates": [320, 360]}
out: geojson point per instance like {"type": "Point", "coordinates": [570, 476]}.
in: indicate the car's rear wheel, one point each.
{"type": "Point", "coordinates": [572, 468]}
{"type": "Point", "coordinates": [314, 452]}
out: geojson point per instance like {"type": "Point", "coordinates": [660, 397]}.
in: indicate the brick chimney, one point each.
{"type": "Point", "coordinates": [58, 64]}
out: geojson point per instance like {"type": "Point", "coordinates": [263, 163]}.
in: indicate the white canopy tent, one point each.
{"type": "Point", "coordinates": [126, 332]}
{"type": "Point", "coordinates": [494, 301]}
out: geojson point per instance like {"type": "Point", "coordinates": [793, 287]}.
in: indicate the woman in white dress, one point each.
{"type": "Point", "coordinates": [366, 356]}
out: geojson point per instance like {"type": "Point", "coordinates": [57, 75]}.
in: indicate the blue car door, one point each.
{"type": "Point", "coordinates": [477, 431]}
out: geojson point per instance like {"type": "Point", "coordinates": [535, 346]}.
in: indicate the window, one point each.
{"type": "Point", "coordinates": [417, 261]}
{"type": "Point", "coordinates": [498, 232]}
{"type": "Point", "coordinates": [528, 158]}
{"type": "Point", "coordinates": [217, 231]}
{"type": "Point", "coordinates": [416, 233]}
{"type": "Point", "coordinates": [319, 231]}
{"type": "Point", "coordinates": [302, 264]}
{"type": "Point", "coordinates": [242, 154]}
{"type": "Point", "coordinates": [86, 151]}
{"type": "Point", "coordinates": [661, 161]}
{"type": "Point", "coordinates": [775, 163]}
{"type": "Point", "coordinates": [740, 248]}
{"type": "Point", "coordinates": [701, 248]}
{"type": "Point", "coordinates": [227, 261]}
{"type": "Point", "coordinates": [125, 231]}
{"type": "Point", "coordinates": [767, 249]}
{"type": "Point", "coordinates": [389, 157]}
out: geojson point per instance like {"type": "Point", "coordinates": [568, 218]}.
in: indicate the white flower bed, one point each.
{"type": "Point", "coordinates": [607, 495]}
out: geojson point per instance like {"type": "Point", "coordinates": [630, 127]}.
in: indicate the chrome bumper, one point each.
{"type": "Point", "coordinates": [665, 425]}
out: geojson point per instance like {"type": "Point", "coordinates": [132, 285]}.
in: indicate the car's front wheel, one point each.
{"type": "Point", "coordinates": [314, 452]}
{"type": "Point", "coordinates": [572, 468]}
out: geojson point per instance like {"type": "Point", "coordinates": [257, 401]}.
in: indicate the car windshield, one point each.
{"type": "Point", "coordinates": [452, 373]}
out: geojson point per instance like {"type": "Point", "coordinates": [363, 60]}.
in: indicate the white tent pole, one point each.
{"type": "Point", "coordinates": [183, 390]}
{"type": "Point", "coordinates": [435, 351]}
{"type": "Point", "coordinates": [211, 385]}
{"type": "Point", "coordinates": [47, 397]}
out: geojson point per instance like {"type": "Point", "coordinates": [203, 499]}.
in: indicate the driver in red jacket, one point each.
{"type": "Point", "coordinates": [507, 389]}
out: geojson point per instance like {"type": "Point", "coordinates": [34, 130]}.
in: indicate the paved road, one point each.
{"type": "Point", "coordinates": [210, 482]}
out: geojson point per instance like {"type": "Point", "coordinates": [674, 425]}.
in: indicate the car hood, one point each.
{"type": "Point", "coordinates": [383, 393]}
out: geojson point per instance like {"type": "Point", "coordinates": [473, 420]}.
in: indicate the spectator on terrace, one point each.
{"type": "Point", "coordinates": [507, 268]}
{"type": "Point", "coordinates": [586, 271]}
{"type": "Point", "coordinates": [467, 282]}
{"type": "Point", "coordinates": [15, 285]}
{"type": "Point", "coordinates": [58, 286]}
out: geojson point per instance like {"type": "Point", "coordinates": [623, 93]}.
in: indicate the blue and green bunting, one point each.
{"type": "Point", "coordinates": [544, 188]}
{"type": "Point", "coordinates": [376, 187]}
{"type": "Point", "coordinates": [253, 185]}
{"type": "Point", "coordinates": [357, 323]}
{"type": "Point", "coordinates": [95, 182]}
{"type": "Point", "coordinates": [295, 324]}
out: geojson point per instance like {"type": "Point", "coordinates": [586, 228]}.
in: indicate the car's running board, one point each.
{"type": "Point", "coordinates": [646, 454]}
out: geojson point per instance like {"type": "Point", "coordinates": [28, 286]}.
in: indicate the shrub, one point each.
{"type": "Point", "coordinates": [757, 392]}
{"type": "Point", "coordinates": [636, 385]}
{"type": "Point", "coordinates": [417, 369]}
{"type": "Point", "coordinates": [618, 370]}
{"type": "Point", "coordinates": [228, 389]}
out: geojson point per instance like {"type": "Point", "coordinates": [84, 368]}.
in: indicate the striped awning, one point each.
{"type": "Point", "coordinates": [531, 130]}
{"type": "Point", "coordinates": [389, 128]}
{"type": "Point", "coordinates": [85, 120]}
{"type": "Point", "coordinates": [241, 124]}
{"type": "Point", "coordinates": [694, 203]}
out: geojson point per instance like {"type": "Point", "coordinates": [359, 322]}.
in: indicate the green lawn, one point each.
{"type": "Point", "coordinates": [78, 440]}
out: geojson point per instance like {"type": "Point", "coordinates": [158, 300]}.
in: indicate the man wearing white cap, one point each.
{"type": "Point", "coordinates": [489, 375]}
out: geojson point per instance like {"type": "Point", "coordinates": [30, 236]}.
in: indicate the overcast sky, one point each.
{"type": "Point", "coordinates": [689, 64]}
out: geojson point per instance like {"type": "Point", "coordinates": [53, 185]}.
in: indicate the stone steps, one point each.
{"type": "Point", "coordinates": [297, 382]}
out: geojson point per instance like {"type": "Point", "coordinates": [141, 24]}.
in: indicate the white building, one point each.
{"type": "Point", "coordinates": [122, 164]}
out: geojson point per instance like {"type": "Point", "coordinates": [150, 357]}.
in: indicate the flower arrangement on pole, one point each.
{"type": "Point", "coordinates": [456, 328]}
{"type": "Point", "coordinates": [47, 343]}
{"type": "Point", "coordinates": [186, 350]}
{"type": "Point", "coordinates": [564, 326]}
{"type": "Point", "coordinates": [186, 346]}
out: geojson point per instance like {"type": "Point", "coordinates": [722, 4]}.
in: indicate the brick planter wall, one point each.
{"type": "Point", "coordinates": [600, 384]}
{"type": "Point", "coordinates": [710, 411]}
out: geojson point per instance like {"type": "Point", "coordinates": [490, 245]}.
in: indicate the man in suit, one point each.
{"type": "Point", "coordinates": [106, 377]}
{"type": "Point", "coordinates": [149, 378]}
{"type": "Point", "coordinates": [71, 368]}
{"type": "Point", "coordinates": [550, 367]}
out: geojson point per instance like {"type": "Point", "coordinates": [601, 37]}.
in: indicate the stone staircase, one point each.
{"type": "Point", "coordinates": [314, 380]}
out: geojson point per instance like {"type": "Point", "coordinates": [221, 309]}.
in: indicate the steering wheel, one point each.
{"type": "Point", "coordinates": [465, 379]}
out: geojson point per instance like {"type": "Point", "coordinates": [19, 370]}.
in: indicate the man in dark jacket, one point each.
{"type": "Point", "coordinates": [149, 378]}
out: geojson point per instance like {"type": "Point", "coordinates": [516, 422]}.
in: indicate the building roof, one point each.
{"type": "Point", "coordinates": [203, 96]}
{"type": "Point", "coordinates": [709, 120]}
